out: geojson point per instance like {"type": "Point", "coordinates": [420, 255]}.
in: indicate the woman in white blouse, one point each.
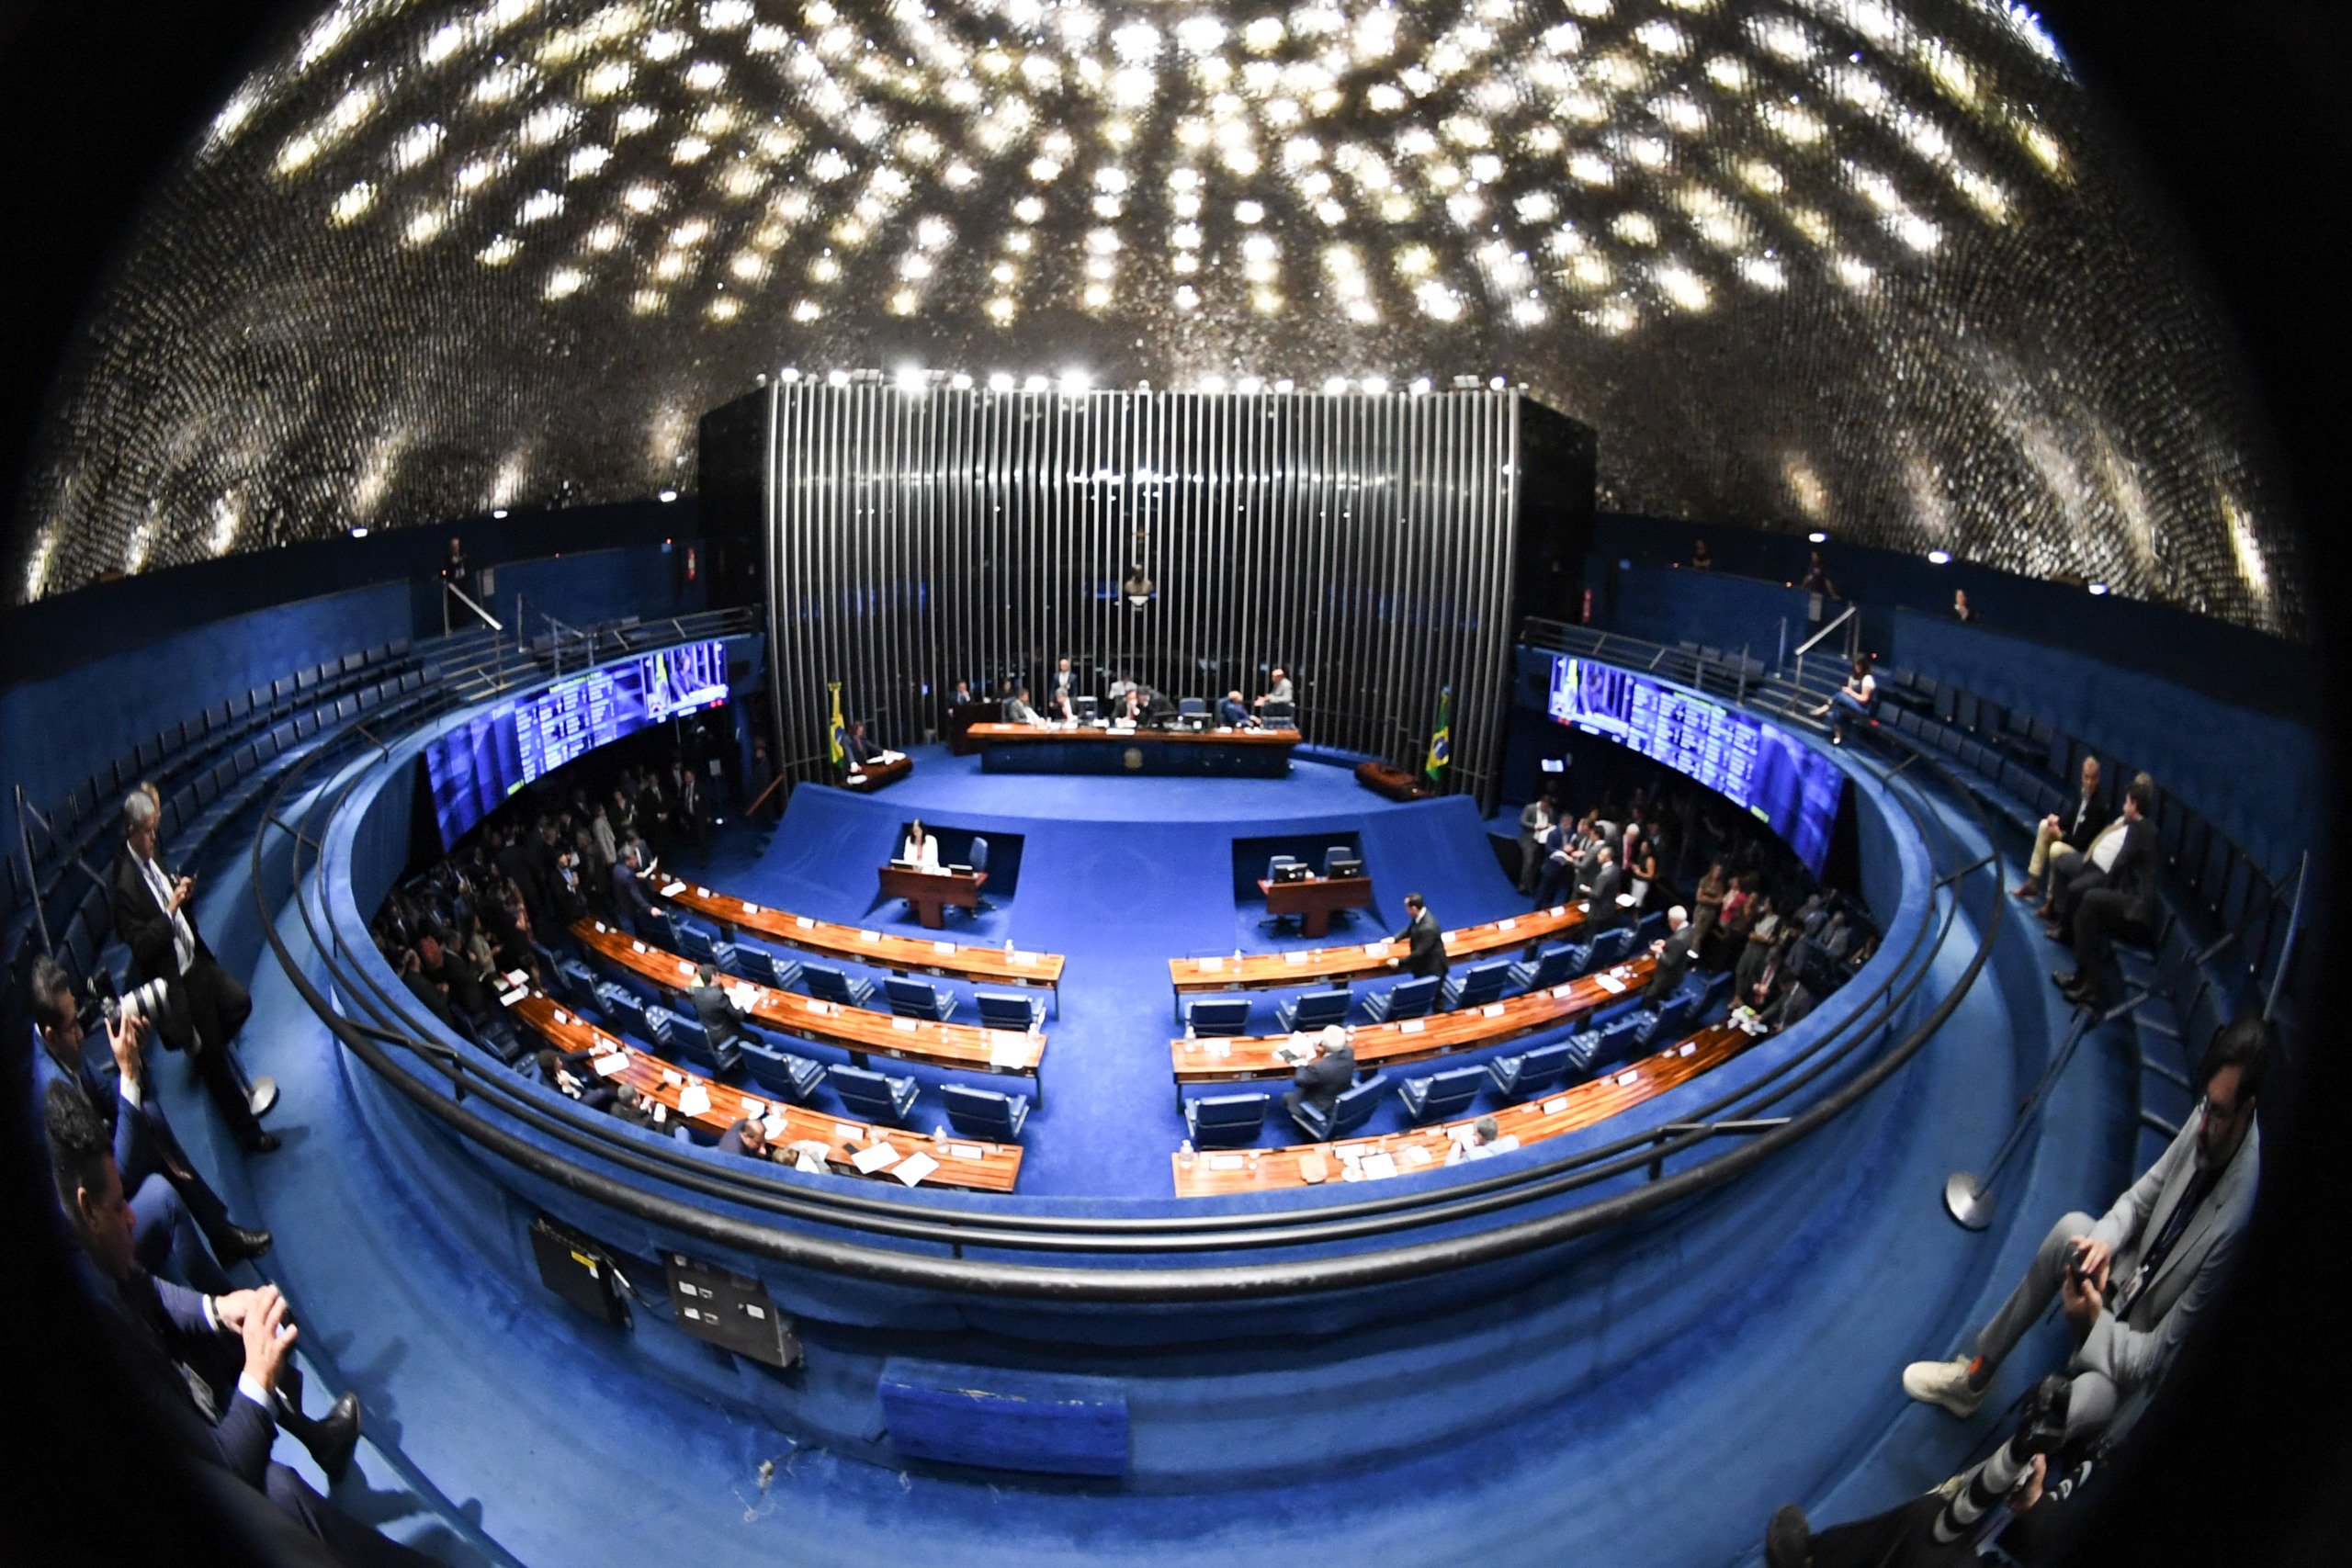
{"type": "Point", "coordinates": [921, 851]}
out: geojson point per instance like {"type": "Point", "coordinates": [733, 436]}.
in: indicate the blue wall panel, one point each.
{"type": "Point", "coordinates": [1666, 605]}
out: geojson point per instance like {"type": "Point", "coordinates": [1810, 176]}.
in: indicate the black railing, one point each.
{"type": "Point", "coordinates": [490, 1105]}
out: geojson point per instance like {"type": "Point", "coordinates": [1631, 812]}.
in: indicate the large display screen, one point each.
{"type": "Point", "coordinates": [500, 750]}
{"type": "Point", "coordinates": [1791, 788]}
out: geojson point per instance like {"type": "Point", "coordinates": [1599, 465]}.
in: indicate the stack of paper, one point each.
{"type": "Point", "coordinates": [1378, 1165]}
{"type": "Point", "coordinates": [804, 923]}
{"type": "Point", "coordinates": [1007, 1054]}
{"type": "Point", "coordinates": [1609, 983]}
{"type": "Point", "coordinates": [694, 1100]}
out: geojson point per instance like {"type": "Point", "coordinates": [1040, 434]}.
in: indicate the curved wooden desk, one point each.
{"type": "Point", "coordinates": [1217, 1173]}
{"type": "Point", "coordinates": [1098, 749]}
{"type": "Point", "coordinates": [1239, 1058]}
{"type": "Point", "coordinates": [854, 1029]}
{"type": "Point", "coordinates": [900, 954]}
{"type": "Point", "coordinates": [1359, 961]}
{"type": "Point", "coordinates": [963, 1162]}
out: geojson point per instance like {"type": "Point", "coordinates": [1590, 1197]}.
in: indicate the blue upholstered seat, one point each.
{"type": "Point", "coordinates": [1478, 985]}
{"type": "Point", "coordinates": [783, 1074]}
{"type": "Point", "coordinates": [1205, 1016]}
{"type": "Point", "coordinates": [1408, 998]}
{"type": "Point", "coordinates": [985, 1112]}
{"type": "Point", "coordinates": [1516, 1076]}
{"type": "Point", "coordinates": [1317, 1010]}
{"type": "Point", "coordinates": [1438, 1095]}
{"type": "Point", "coordinates": [875, 1096]}
{"type": "Point", "coordinates": [1013, 1010]}
{"type": "Point", "coordinates": [828, 984]}
{"type": "Point", "coordinates": [918, 998]}
{"type": "Point", "coordinates": [1555, 967]}
{"type": "Point", "coordinates": [1352, 1111]}
{"type": "Point", "coordinates": [1224, 1120]}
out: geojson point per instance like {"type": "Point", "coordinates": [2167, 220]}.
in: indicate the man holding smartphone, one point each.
{"type": "Point", "coordinates": [2131, 1283]}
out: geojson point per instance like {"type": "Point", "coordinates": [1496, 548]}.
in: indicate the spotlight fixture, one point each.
{"type": "Point", "coordinates": [1334, 386]}
{"type": "Point", "coordinates": [359, 530]}
{"type": "Point", "coordinates": [1375, 385]}
{"type": "Point", "coordinates": [498, 511]}
{"type": "Point", "coordinates": [1939, 558]}
{"type": "Point", "coordinates": [2099, 588]}
{"type": "Point", "coordinates": [1817, 537]}
{"type": "Point", "coordinates": [1421, 388]}
{"type": "Point", "coordinates": [669, 495]}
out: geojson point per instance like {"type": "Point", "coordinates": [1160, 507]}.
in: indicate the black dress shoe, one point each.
{"type": "Point", "coordinates": [1788, 1539]}
{"type": "Point", "coordinates": [240, 1244]}
{"type": "Point", "coordinates": [261, 1144]}
{"type": "Point", "coordinates": [332, 1439]}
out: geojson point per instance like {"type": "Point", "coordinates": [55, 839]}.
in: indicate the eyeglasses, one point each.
{"type": "Point", "coordinates": [2216, 1111]}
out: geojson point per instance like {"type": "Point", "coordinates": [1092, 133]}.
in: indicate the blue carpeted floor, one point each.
{"type": "Point", "coordinates": [495, 1413]}
{"type": "Point", "coordinates": [1120, 875]}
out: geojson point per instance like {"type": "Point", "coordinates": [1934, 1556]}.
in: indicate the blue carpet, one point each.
{"type": "Point", "coordinates": [1121, 875]}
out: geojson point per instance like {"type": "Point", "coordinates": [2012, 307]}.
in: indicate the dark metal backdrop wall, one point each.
{"type": "Point", "coordinates": [1363, 543]}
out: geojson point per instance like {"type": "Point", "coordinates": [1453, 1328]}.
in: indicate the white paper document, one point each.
{"type": "Point", "coordinates": [1009, 1053]}
{"type": "Point", "coordinates": [1412, 1026]}
{"type": "Point", "coordinates": [1509, 925]}
{"type": "Point", "coordinates": [869, 936]}
{"type": "Point", "coordinates": [1376, 1164]}
{"type": "Point", "coordinates": [672, 889]}
{"type": "Point", "coordinates": [943, 947]}
{"type": "Point", "coordinates": [1224, 1162]}
{"type": "Point", "coordinates": [873, 1158]}
{"type": "Point", "coordinates": [1492, 1009]}
{"type": "Point", "coordinates": [804, 923]}
{"type": "Point", "coordinates": [914, 1168]}
{"type": "Point", "coordinates": [1211, 966]}
{"type": "Point", "coordinates": [1609, 983]}
{"type": "Point", "coordinates": [905, 1025]}
{"type": "Point", "coordinates": [1296, 958]}
{"type": "Point", "coordinates": [608, 1065]}
{"type": "Point", "coordinates": [1554, 1105]}
{"type": "Point", "coordinates": [694, 1100]}
{"type": "Point", "coordinates": [966, 1151]}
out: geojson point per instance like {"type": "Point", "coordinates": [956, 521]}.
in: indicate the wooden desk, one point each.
{"type": "Point", "coordinates": [900, 954]}
{"type": "Point", "coordinates": [961, 717]}
{"type": "Point", "coordinates": [931, 892]}
{"type": "Point", "coordinates": [1357, 960]}
{"type": "Point", "coordinates": [866, 780]}
{"type": "Point", "coordinates": [1386, 778]}
{"type": "Point", "coordinates": [1098, 749]}
{"type": "Point", "coordinates": [1236, 1059]}
{"type": "Point", "coordinates": [1315, 899]}
{"type": "Point", "coordinates": [1221, 1173]}
{"type": "Point", "coordinates": [854, 1029]}
{"type": "Point", "coordinates": [963, 1162]}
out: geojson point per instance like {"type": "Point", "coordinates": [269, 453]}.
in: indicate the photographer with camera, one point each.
{"type": "Point", "coordinates": [167, 1191]}
{"type": "Point", "coordinates": [214, 1371]}
{"type": "Point", "coordinates": [203, 1005]}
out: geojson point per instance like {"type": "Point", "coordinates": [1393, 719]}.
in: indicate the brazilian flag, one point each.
{"type": "Point", "coordinates": [838, 734]}
{"type": "Point", "coordinates": [1441, 737]}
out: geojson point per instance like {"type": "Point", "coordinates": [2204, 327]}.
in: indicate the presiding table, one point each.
{"type": "Point", "coordinates": [1103, 748]}
{"type": "Point", "coordinates": [931, 891]}
{"type": "Point", "coordinates": [1221, 1173]}
{"type": "Point", "coordinates": [714, 1107]}
{"type": "Point", "coordinates": [1315, 899]}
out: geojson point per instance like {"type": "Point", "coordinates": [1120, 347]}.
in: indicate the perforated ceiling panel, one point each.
{"type": "Point", "coordinates": [1854, 264]}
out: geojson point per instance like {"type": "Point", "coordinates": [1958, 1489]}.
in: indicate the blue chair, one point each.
{"type": "Point", "coordinates": [1610, 947]}
{"type": "Point", "coordinates": [1206, 1016]}
{"type": "Point", "coordinates": [1000, 1010]}
{"type": "Point", "coordinates": [658, 1020]}
{"type": "Point", "coordinates": [725, 956]}
{"type": "Point", "coordinates": [1666, 1025]}
{"type": "Point", "coordinates": [693, 1043]}
{"type": "Point", "coordinates": [757, 964]}
{"type": "Point", "coordinates": [1610, 1043]}
{"type": "Point", "coordinates": [693, 941]}
{"type": "Point", "coordinates": [1478, 985]}
{"type": "Point", "coordinates": [1714, 997]}
{"type": "Point", "coordinates": [1352, 1110]}
{"type": "Point", "coordinates": [624, 1012]}
{"type": "Point", "coordinates": [1224, 1120]}
{"type": "Point", "coordinates": [1649, 929]}
{"type": "Point", "coordinates": [1514, 1075]}
{"type": "Point", "coordinates": [918, 998]}
{"type": "Point", "coordinates": [1189, 706]}
{"type": "Point", "coordinates": [782, 1074]}
{"type": "Point", "coordinates": [1317, 1010]}
{"type": "Point", "coordinates": [575, 986]}
{"type": "Point", "coordinates": [1408, 998]}
{"type": "Point", "coordinates": [1274, 865]}
{"type": "Point", "coordinates": [659, 927]}
{"type": "Point", "coordinates": [1336, 854]}
{"type": "Point", "coordinates": [828, 984]}
{"type": "Point", "coordinates": [1555, 967]}
{"type": "Point", "coordinates": [1438, 1095]}
{"type": "Point", "coordinates": [985, 1112]}
{"type": "Point", "coordinates": [875, 1096]}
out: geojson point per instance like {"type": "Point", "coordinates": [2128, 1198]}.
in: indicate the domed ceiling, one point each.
{"type": "Point", "coordinates": [1854, 264]}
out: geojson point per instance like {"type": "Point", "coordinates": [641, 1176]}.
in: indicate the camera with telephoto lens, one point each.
{"type": "Point", "coordinates": [2041, 1422]}
{"type": "Point", "coordinates": [143, 1001]}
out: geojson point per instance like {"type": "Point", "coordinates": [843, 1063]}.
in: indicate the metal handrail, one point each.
{"type": "Point", "coordinates": [467, 600]}
{"type": "Point", "coordinates": [1040, 1233]}
{"type": "Point", "coordinates": [1807, 646]}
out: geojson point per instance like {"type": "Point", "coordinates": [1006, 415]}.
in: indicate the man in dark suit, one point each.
{"type": "Point", "coordinates": [573, 1073]}
{"type": "Point", "coordinates": [1673, 954]}
{"type": "Point", "coordinates": [1601, 912]}
{"type": "Point", "coordinates": [1556, 853]}
{"type": "Point", "coordinates": [2125, 898]}
{"type": "Point", "coordinates": [1534, 841]}
{"type": "Point", "coordinates": [745, 1137]}
{"type": "Point", "coordinates": [206, 1006]}
{"type": "Point", "coordinates": [2063, 837]}
{"type": "Point", "coordinates": [629, 892]}
{"type": "Point", "coordinates": [1426, 954]}
{"type": "Point", "coordinates": [171, 1203]}
{"type": "Point", "coordinates": [1233, 714]}
{"type": "Point", "coordinates": [721, 1019]}
{"type": "Point", "coordinates": [1324, 1077]}
{"type": "Point", "coordinates": [213, 1372]}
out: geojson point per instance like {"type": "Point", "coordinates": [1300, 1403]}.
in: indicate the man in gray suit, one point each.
{"type": "Point", "coordinates": [2133, 1283]}
{"type": "Point", "coordinates": [1534, 829]}
{"type": "Point", "coordinates": [1324, 1077]}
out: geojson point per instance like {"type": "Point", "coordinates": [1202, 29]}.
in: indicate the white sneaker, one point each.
{"type": "Point", "coordinates": [1944, 1384]}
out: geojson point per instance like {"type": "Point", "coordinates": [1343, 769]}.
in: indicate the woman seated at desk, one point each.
{"type": "Point", "coordinates": [920, 849]}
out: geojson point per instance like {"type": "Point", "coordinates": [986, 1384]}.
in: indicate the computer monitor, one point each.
{"type": "Point", "coordinates": [1345, 868]}
{"type": "Point", "coordinates": [1295, 871]}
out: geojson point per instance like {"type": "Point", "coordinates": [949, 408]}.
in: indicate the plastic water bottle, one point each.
{"type": "Point", "coordinates": [1184, 1154]}
{"type": "Point", "coordinates": [938, 1133]}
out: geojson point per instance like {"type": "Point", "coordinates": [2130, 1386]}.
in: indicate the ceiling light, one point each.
{"type": "Point", "coordinates": [2098, 587]}
{"type": "Point", "coordinates": [669, 495]}
{"type": "Point", "coordinates": [1939, 558]}
{"type": "Point", "coordinates": [1818, 538]}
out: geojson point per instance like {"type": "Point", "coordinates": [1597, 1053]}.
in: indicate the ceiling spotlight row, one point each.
{"type": "Point", "coordinates": [915, 379]}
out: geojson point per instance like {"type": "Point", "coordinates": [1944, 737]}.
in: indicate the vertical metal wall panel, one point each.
{"type": "Point", "coordinates": [1363, 544]}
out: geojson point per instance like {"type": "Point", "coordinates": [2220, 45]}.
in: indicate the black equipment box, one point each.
{"type": "Point", "coordinates": [730, 1310]}
{"type": "Point", "coordinates": [579, 1270]}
